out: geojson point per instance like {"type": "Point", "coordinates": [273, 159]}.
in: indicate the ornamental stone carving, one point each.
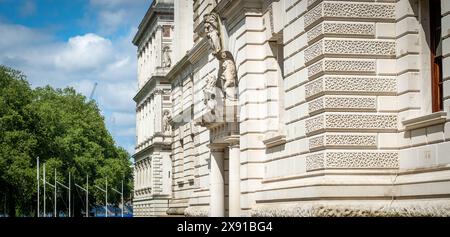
{"type": "Point", "coordinates": [379, 48]}
{"type": "Point", "coordinates": [166, 121]}
{"type": "Point", "coordinates": [352, 160]}
{"type": "Point", "coordinates": [209, 94]}
{"type": "Point", "coordinates": [351, 122]}
{"type": "Point", "coordinates": [228, 75]}
{"type": "Point", "coordinates": [372, 209]}
{"type": "Point", "coordinates": [334, 29]}
{"type": "Point", "coordinates": [359, 47]}
{"type": "Point", "coordinates": [197, 211]}
{"type": "Point", "coordinates": [344, 104]}
{"type": "Point", "coordinates": [220, 93]}
{"type": "Point", "coordinates": [360, 10]}
{"type": "Point", "coordinates": [342, 141]}
{"type": "Point", "coordinates": [351, 85]}
{"type": "Point", "coordinates": [340, 66]}
{"type": "Point", "coordinates": [166, 60]}
{"type": "Point", "coordinates": [212, 30]}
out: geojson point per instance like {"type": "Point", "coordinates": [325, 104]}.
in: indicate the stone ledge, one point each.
{"type": "Point", "coordinates": [275, 140]}
{"type": "Point", "coordinates": [425, 121]}
{"type": "Point", "coordinates": [397, 209]}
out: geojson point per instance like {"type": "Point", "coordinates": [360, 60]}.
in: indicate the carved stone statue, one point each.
{"type": "Point", "coordinates": [212, 31]}
{"type": "Point", "coordinates": [166, 60]}
{"type": "Point", "coordinates": [210, 94]}
{"type": "Point", "coordinates": [166, 121]}
{"type": "Point", "coordinates": [220, 98]}
{"type": "Point", "coordinates": [228, 74]}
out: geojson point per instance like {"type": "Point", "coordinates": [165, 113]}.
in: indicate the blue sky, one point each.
{"type": "Point", "coordinates": [78, 43]}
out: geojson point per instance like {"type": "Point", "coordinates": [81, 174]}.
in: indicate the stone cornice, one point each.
{"type": "Point", "coordinates": [199, 50]}
{"type": "Point", "coordinates": [158, 140]}
{"type": "Point", "coordinates": [154, 10]}
{"type": "Point", "coordinates": [181, 64]}
{"type": "Point", "coordinates": [230, 9]}
{"type": "Point", "coordinates": [151, 84]}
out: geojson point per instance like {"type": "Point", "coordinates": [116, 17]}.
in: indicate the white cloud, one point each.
{"type": "Point", "coordinates": [86, 52]}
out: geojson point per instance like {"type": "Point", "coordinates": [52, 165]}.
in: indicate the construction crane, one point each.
{"type": "Point", "coordinates": [93, 90]}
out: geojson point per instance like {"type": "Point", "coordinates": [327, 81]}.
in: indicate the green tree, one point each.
{"type": "Point", "coordinates": [67, 132]}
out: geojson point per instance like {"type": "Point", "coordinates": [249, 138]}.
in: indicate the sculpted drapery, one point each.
{"type": "Point", "coordinates": [227, 74]}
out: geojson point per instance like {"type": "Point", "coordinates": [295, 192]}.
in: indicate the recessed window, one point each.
{"type": "Point", "coordinates": [436, 55]}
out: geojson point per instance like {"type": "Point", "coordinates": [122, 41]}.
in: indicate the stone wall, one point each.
{"type": "Point", "coordinates": [335, 111]}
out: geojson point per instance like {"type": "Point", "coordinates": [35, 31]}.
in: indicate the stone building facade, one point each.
{"type": "Point", "coordinates": [293, 108]}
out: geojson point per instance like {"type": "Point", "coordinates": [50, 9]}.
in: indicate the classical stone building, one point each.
{"type": "Point", "coordinates": [153, 166]}
{"type": "Point", "coordinates": [293, 108]}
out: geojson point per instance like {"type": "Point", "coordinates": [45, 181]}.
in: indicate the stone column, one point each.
{"type": "Point", "coordinates": [158, 46]}
{"type": "Point", "coordinates": [216, 184]}
{"type": "Point", "coordinates": [234, 180]}
{"type": "Point", "coordinates": [135, 176]}
{"type": "Point", "coordinates": [146, 176]}
{"type": "Point", "coordinates": [158, 111]}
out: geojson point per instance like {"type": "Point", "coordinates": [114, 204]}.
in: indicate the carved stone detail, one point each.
{"type": "Point", "coordinates": [220, 93]}
{"type": "Point", "coordinates": [335, 29]}
{"type": "Point", "coordinates": [352, 160]}
{"type": "Point", "coordinates": [228, 75]}
{"type": "Point", "coordinates": [315, 161]}
{"type": "Point", "coordinates": [315, 32]}
{"type": "Point", "coordinates": [351, 122]}
{"type": "Point", "coordinates": [374, 209]}
{"type": "Point", "coordinates": [196, 211]}
{"type": "Point", "coordinates": [350, 47]}
{"type": "Point", "coordinates": [315, 88]}
{"type": "Point", "coordinates": [340, 66]}
{"type": "Point", "coordinates": [342, 140]}
{"type": "Point", "coordinates": [166, 121]}
{"type": "Point", "coordinates": [314, 51]}
{"type": "Point", "coordinates": [359, 47]}
{"type": "Point", "coordinates": [166, 60]}
{"type": "Point", "coordinates": [342, 103]}
{"type": "Point", "coordinates": [359, 10]}
{"type": "Point", "coordinates": [351, 140]}
{"type": "Point", "coordinates": [313, 15]}
{"type": "Point", "coordinates": [315, 124]}
{"type": "Point", "coordinates": [210, 96]}
{"type": "Point", "coordinates": [351, 85]}
{"type": "Point", "coordinates": [212, 30]}
{"type": "Point", "coordinates": [316, 142]}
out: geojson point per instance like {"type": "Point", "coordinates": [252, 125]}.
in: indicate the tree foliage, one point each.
{"type": "Point", "coordinates": [67, 132]}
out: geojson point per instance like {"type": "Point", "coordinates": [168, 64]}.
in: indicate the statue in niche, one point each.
{"type": "Point", "coordinates": [228, 74]}
{"type": "Point", "coordinates": [166, 60]}
{"type": "Point", "coordinates": [213, 33]}
{"type": "Point", "coordinates": [166, 121]}
{"type": "Point", "coordinates": [210, 94]}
